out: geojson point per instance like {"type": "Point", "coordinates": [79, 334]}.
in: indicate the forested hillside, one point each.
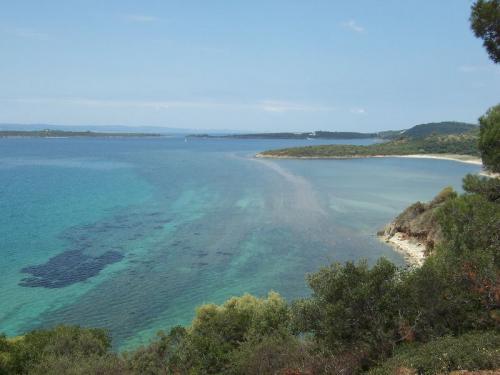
{"type": "Point", "coordinates": [461, 144]}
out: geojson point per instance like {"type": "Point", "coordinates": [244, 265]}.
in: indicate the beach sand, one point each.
{"type": "Point", "coordinates": [454, 157]}
{"type": "Point", "coordinates": [412, 250]}
{"type": "Point", "coordinates": [468, 159]}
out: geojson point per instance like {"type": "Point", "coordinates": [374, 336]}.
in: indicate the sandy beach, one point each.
{"type": "Point", "coordinates": [454, 157]}
{"type": "Point", "coordinates": [412, 250]}
{"type": "Point", "coordinates": [467, 159]}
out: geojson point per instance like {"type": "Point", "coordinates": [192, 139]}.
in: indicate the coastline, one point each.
{"type": "Point", "coordinates": [412, 250]}
{"type": "Point", "coordinates": [454, 157]}
{"type": "Point", "coordinates": [467, 159]}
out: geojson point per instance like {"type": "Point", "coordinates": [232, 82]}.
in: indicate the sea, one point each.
{"type": "Point", "coordinates": [132, 234]}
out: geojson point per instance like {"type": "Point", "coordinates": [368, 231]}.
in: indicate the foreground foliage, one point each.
{"type": "Point", "coordinates": [485, 23]}
{"type": "Point", "coordinates": [472, 351]}
{"type": "Point", "coordinates": [489, 139]}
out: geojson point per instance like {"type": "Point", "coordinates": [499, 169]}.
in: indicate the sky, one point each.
{"type": "Point", "coordinates": [260, 65]}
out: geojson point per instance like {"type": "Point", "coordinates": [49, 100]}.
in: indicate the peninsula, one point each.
{"type": "Point", "coordinates": [417, 131]}
{"type": "Point", "coordinates": [49, 133]}
{"type": "Point", "coordinates": [440, 140]}
{"type": "Point", "coordinates": [290, 135]}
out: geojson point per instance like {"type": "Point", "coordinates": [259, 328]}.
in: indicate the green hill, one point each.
{"type": "Point", "coordinates": [438, 128]}
{"type": "Point", "coordinates": [418, 131]}
{"type": "Point", "coordinates": [461, 144]}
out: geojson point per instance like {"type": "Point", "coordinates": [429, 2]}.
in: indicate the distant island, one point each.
{"type": "Point", "coordinates": [446, 138]}
{"type": "Point", "coordinates": [418, 131]}
{"type": "Point", "coordinates": [49, 133]}
{"type": "Point", "coordinates": [290, 135]}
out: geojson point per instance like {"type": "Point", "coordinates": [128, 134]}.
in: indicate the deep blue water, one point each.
{"type": "Point", "coordinates": [133, 234]}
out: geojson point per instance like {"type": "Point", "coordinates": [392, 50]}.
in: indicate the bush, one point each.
{"type": "Point", "coordinates": [475, 351]}
{"type": "Point", "coordinates": [470, 226]}
{"type": "Point", "coordinates": [434, 303]}
{"type": "Point", "coordinates": [353, 307]}
{"type": "Point", "coordinates": [271, 354]}
{"type": "Point", "coordinates": [161, 356]}
{"type": "Point", "coordinates": [27, 352]}
{"type": "Point", "coordinates": [108, 364]}
{"type": "Point", "coordinates": [218, 331]}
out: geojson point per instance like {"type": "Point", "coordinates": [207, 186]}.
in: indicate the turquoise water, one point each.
{"type": "Point", "coordinates": [133, 234]}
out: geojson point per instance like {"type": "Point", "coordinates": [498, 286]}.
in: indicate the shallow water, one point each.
{"type": "Point", "coordinates": [133, 234]}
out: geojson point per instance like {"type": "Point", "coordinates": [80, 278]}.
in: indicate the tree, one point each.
{"type": "Point", "coordinates": [487, 187]}
{"type": "Point", "coordinates": [353, 307]}
{"type": "Point", "coordinates": [485, 22]}
{"type": "Point", "coordinates": [59, 350]}
{"type": "Point", "coordinates": [489, 139]}
{"type": "Point", "coordinates": [218, 331]}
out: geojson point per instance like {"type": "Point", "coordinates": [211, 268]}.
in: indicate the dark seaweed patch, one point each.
{"type": "Point", "coordinates": [164, 221]}
{"type": "Point", "coordinates": [67, 268]}
{"type": "Point", "coordinates": [223, 253]}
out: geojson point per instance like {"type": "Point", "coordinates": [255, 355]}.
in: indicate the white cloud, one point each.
{"type": "Point", "coordinates": [139, 18]}
{"type": "Point", "coordinates": [277, 106]}
{"type": "Point", "coordinates": [358, 111]}
{"type": "Point", "coordinates": [353, 26]}
{"type": "Point", "coordinates": [27, 33]}
{"type": "Point", "coordinates": [284, 106]}
{"type": "Point", "coordinates": [110, 103]}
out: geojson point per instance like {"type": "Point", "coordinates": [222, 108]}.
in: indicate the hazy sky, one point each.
{"type": "Point", "coordinates": [250, 65]}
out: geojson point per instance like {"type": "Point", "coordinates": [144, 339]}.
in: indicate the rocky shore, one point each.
{"type": "Point", "coordinates": [412, 250]}
{"type": "Point", "coordinates": [416, 231]}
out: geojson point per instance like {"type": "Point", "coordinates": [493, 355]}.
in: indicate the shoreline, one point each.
{"type": "Point", "coordinates": [469, 159]}
{"type": "Point", "coordinates": [466, 159]}
{"type": "Point", "coordinates": [412, 250]}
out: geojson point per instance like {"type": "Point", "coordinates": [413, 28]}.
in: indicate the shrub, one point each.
{"type": "Point", "coordinates": [217, 331]}
{"type": "Point", "coordinates": [108, 364]}
{"type": "Point", "coordinates": [352, 307]}
{"type": "Point", "coordinates": [161, 356]}
{"type": "Point", "coordinates": [474, 351]}
{"type": "Point", "coordinates": [27, 352]}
